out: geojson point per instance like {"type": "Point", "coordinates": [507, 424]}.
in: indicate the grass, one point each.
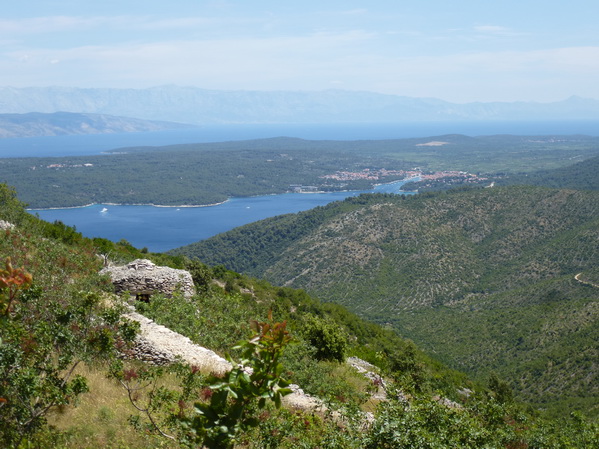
{"type": "Point", "coordinates": [100, 418]}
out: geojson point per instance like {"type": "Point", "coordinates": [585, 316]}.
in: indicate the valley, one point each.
{"type": "Point", "coordinates": [493, 280]}
{"type": "Point", "coordinates": [299, 225]}
{"type": "Point", "coordinates": [480, 278]}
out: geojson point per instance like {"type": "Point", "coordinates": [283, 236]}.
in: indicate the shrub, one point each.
{"type": "Point", "coordinates": [328, 338]}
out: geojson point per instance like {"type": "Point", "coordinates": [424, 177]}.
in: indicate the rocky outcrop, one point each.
{"type": "Point", "coordinates": [298, 400]}
{"type": "Point", "coordinates": [371, 373]}
{"type": "Point", "coordinates": [143, 278]}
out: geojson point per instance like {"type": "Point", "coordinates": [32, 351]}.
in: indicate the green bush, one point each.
{"type": "Point", "coordinates": [327, 337]}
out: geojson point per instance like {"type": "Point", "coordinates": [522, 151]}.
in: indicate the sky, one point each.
{"type": "Point", "coordinates": [460, 51]}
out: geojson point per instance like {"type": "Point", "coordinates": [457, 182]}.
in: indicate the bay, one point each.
{"type": "Point", "coordinates": [162, 228]}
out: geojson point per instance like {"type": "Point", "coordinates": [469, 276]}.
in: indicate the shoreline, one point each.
{"type": "Point", "coordinates": [125, 204]}
{"type": "Point", "coordinates": [33, 209]}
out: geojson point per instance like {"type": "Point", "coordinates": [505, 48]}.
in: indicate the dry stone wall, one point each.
{"type": "Point", "coordinates": [159, 345]}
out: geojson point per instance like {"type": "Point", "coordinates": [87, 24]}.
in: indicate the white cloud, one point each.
{"type": "Point", "coordinates": [40, 25]}
{"type": "Point", "coordinates": [353, 59]}
{"type": "Point", "coordinates": [65, 24]}
{"type": "Point", "coordinates": [499, 31]}
{"type": "Point", "coordinates": [220, 63]}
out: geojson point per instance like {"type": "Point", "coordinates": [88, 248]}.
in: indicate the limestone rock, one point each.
{"type": "Point", "coordinates": [6, 225]}
{"type": "Point", "coordinates": [143, 278]}
{"type": "Point", "coordinates": [159, 345]}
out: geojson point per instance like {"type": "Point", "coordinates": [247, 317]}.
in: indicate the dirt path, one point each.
{"type": "Point", "coordinates": [577, 277]}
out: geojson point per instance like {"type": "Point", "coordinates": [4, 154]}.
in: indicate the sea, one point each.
{"type": "Point", "coordinates": [82, 145]}
{"type": "Point", "coordinates": [162, 228]}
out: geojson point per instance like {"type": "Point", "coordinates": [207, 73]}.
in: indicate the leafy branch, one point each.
{"type": "Point", "coordinates": [256, 377]}
{"type": "Point", "coordinates": [230, 402]}
{"type": "Point", "coordinates": [12, 281]}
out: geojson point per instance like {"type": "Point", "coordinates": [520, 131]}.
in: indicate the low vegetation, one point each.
{"type": "Point", "coordinates": [60, 319]}
{"type": "Point", "coordinates": [482, 278]}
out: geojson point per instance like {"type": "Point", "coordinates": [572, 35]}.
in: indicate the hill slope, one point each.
{"type": "Point", "coordinates": [56, 312]}
{"type": "Point", "coordinates": [582, 175]}
{"type": "Point", "coordinates": [482, 278]}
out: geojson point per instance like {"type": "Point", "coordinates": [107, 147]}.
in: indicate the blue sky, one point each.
{"type": "Point", "coordinates": [461, 50]}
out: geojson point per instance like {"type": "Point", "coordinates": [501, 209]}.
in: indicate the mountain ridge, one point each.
{"type": "Point", "coordinates": [34, 124]}
{"type": "Point", "coordinates": [203, 106]}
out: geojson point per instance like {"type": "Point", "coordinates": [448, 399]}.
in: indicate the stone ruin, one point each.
{"type": "Point", "coordinates": [143, 279]}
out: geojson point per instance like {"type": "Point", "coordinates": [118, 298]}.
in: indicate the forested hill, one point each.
{"type": "Point", "coordinates": [63, 370]}
{"type": "Point", "coordinates": [582, 175]}
{"type": "Point", "coordinates": [484, 278]}
{"type": "Point", "coordinates": [458, 239]}
{"type": "Point", "coordinates": [208, 173]}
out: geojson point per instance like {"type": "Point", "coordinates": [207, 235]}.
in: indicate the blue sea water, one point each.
{"type": "Point", "coordinates": [163, 228]}
{"type": "Point", "coordinates": [160, 229]}
{"type": "Point", "coordinates": [80, 145]}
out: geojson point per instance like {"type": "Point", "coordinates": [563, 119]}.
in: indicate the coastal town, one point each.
{"type": "Point", "coordinates": [425, 177]}
{"type": "Point", "coordinates": [58, 166]}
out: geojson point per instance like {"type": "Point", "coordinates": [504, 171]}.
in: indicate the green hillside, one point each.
{"type": "Point", "coordinates": [581, 175]}
{"type": "Point", "coordinates": [481, 278]}
{"type": "Point", "coordinates": [209, 173]}
{"type": "Point", "coordinates": [60, 329]}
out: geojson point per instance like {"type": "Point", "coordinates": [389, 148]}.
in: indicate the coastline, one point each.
{"type": "Point", "coordinates": [33, 209]}
{"type": "Point", "coordinates": [125, 204]}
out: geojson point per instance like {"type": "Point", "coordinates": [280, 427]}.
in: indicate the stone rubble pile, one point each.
{"type": "Point", "coordinates": [299, 400]}
{"type": "Point", "coordinates": [159, 345]}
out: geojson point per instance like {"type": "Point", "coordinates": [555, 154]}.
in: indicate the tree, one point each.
{"type": "Point", "coordinates": [43, 338]}
{"type": "Point", "coordinates": [328, 338]}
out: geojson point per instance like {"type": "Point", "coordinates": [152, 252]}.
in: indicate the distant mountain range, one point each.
{"type": "Point", "coordinates": [59, 123]}
{"type": "Point", "coordinates": [201, 106]}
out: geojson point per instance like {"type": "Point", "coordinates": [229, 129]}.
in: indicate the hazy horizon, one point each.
{"type": "Point", "coordinates": [461, 52]}
{"type": "Point", "coordinates": [558, 100]}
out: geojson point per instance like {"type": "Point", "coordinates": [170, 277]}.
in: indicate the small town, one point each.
{"type": "Point", "coordinates": [370, 174]}
{"type": "Point", "coordinates": [380, 174]}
